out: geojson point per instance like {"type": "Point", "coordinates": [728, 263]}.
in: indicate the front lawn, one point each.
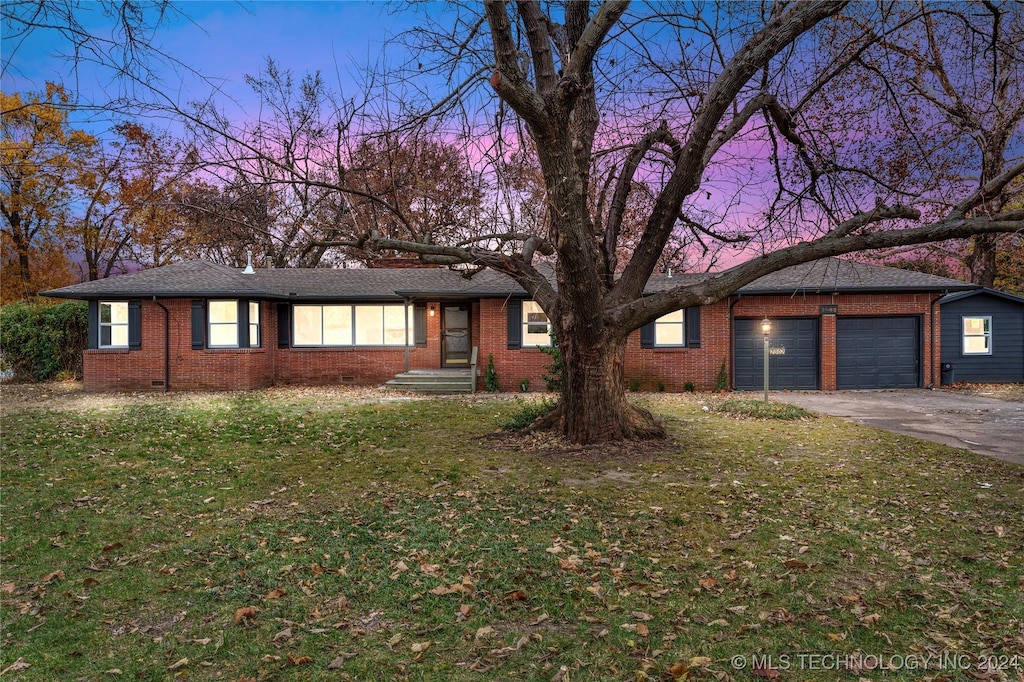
{"type": "Point", "coordinates": [321, 535]}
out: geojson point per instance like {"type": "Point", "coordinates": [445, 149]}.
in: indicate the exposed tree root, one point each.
{"type": "Point", "coordinates": [634, 424]}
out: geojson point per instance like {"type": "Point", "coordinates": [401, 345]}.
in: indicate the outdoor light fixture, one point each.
{"type": "Point", "coordinates": [432, 310]}
{"type": "Point", "coordinates": [766, 329]}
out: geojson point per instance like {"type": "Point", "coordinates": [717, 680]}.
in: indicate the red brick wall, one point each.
{"type": "Point", "coordinates": [649, 368]}
{"type": "Point", "coordinates": [143, 369]}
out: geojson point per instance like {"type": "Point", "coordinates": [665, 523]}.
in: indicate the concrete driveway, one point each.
{"type": "Point", "coordinates": [984, 425]}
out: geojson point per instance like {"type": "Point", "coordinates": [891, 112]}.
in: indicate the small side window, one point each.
{"type": "Point", "coordinates": [977, 334]}
{"type": "Point", "coordinates": [113, 324]}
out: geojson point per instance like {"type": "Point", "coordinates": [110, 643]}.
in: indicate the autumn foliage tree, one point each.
{"type": "Point", "coordinates": [41, 165]}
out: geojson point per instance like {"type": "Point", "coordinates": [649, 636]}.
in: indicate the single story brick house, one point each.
{"type": "Point", "coordinates": [836, 324]}
{"type": "Point", "coordinates": [982, 337]}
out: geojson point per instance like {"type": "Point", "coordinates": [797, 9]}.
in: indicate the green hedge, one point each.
{"type": "Point", "coordinates": [40, 342]}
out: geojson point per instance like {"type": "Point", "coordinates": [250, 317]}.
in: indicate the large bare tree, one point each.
{"type": "Point", "coordinates": [702, 91]}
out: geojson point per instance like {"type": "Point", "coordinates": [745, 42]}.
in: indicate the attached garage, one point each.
{"type": "Point", "coordinates": [878, 352]}
{"type": "Point", "coordinates": [794, 355]}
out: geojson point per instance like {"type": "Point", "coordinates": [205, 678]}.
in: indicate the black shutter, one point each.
{"type": "Point", "coordinates": [243, 323]}
{"type": "Point", "coordinates": [94, 325]}
{"type": "Point", "coordinates": [134, 325]}
{"type": "Point", "coordinates": [693, 327]}
{"type": "Point", "coordinates": [419, 324]}
{"type": "Point", "coordinates": [284, 324]}
{"type": "Point", "coordinates": [647, 335]}
{"type": "Point", "coordinates": [198, 325]}
{"type": "Point", "coordinates": [515, 323]}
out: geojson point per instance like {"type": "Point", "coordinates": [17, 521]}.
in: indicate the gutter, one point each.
{"type": "Point", "coordinates": [167, 345]}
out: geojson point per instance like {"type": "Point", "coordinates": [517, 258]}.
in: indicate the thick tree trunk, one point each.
{"type": "Point", "coordinates": [982, 259]}
{"type": "Point", "coordinates": [594, 408]}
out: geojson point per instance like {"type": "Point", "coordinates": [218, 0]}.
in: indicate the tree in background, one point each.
{"type": "Point", "coordinates": [42, 163]}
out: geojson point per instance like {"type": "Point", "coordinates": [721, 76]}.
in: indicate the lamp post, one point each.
{"type": "Point", "coordinates": [766, 329]}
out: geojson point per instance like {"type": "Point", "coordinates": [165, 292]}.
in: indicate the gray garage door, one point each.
{"type": "Point", "coordinates": [878, 352]}
{"type": "Point", "coordinates": [793, 363]}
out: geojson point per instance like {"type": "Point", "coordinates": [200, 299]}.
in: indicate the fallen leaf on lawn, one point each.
{"type": "Point", "coordinates": [556, 549]}
{"type": "Point", "coordinates": [720, 621]}
{"type": "Point", "coordinates": [640, 615]}
{"type": "Point", "coordinates": [837, 636]}
{"type": "Point", "coordinates": [708, 583]}
{"type": "Point", "coordinates": [730, 575]}
{"type": "Point", "coordinates": [340, 660]}
{"type": "Point", "coordinates": [7, 588]}
{"type": "Point", "coordinates": [282, 636]}
{"type": "Point", "coordinates": [465, 609]}
{"type": "Point", "coordinates": [113, 671]}
{"type": "Point", "coordinates": [298, 539]}
{"type": "Point", "coordinates": [850, 598]}
{"type": "Point", "coordinates": [201, 642]}
{"type": "Point", "coordinates": [679, 671]}
{"type": "Point", "coordinates": [506, 650]}
{"type": "Point", "coordinates": [111, 547]}
{"type": "Point", "coordinates": [483, 632]}
{"type": "Point", "coordinates": [871, 619]}
{"type": "Point", "coordinates": [245, 615]}
{"type": "Point", "coordinates": [700, 662]}
{"type": "Point", "coordinates": [50, 577]}
{"type": "Point", "coordinates": [301, 660]}
{"type": "Point", "coordinates": [420, 647]}
{"type": "Point", "coordinates": [562, 675]}
{"type": "Point", "coordinates": [178, 665]}
{"type": "Point", "coordinates": [1000, 531]}
{"type": "Point", "coordinates": [738, 610]}
{"type": "Point", "coordinates": [642, 630]}
{"type": "Point", "coordinates": [516, 595]}
{"type": "Point", "coordinates": [395, 639]}
{"type": "Point", "coordinates": [795, 564]}
{"type": "Point", "coordinates": [767, 673]}
{"type": "Point", "coordinates": [275, 593]}
{"type": "Point", "coordinates": [19, 664]}
{"type": "Point", "coordinates": [540, 619]}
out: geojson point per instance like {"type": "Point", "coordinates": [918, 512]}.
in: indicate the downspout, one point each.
{"type": "Point", "coordinates": [931, 332]}
{"type": "Point", "coordinates": [167, 345]}
{"type": "Point", "coordinates": [406, 300]}
{"type": "Point", "coordinates": [732, 341]}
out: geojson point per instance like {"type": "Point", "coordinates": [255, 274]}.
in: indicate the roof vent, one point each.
{"type": "Point", "coordinates": [248, 264]}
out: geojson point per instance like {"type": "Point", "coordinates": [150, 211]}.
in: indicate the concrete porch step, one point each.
{"type": "Point", "coordinates": [433, 381]}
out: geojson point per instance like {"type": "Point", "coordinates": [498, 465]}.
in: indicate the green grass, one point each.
{"type": "Point", "coordinates": [759, 409]}
{"type": "Point", "coordinates": [359, 533]}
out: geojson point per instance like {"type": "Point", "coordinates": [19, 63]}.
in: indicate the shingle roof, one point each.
{"type": "Point", "coordinates": [197, 278]}
{"type": "Point", "coordinates": [837, 275]}
{"type": "Point", "coordinates": [949, 298]}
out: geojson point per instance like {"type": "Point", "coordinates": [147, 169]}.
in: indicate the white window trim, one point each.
{"type": "Point", "coordinates": [525, 325]}
{"type": "Point", "coordinates": [111, 325]}
{"type": "Point", "coordinates": [985, 335]}
{"type": "Point", "coordinates": [408, 337]}
{"type": "Point", "coordinates": [210, 324]}
{"type": "Point", "coordinates": [255, 329]}
{"type": "Point", "coordinates": [681, 323]}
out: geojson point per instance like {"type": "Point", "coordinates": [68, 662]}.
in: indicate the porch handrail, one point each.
{"type": "Point", "coordinates": [472, 370]}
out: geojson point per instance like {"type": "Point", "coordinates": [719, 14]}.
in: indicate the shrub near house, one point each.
{"type": "Point", "coordinates": [40, 342]}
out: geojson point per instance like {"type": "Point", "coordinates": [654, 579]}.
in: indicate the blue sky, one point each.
{"type": "Point", "coordinates": [226, 40]}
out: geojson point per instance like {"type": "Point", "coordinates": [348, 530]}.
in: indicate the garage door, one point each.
{"type": "Point", "coordinates": [878, 352]}
{"type": "Point", "coordinates": [793, 363]}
